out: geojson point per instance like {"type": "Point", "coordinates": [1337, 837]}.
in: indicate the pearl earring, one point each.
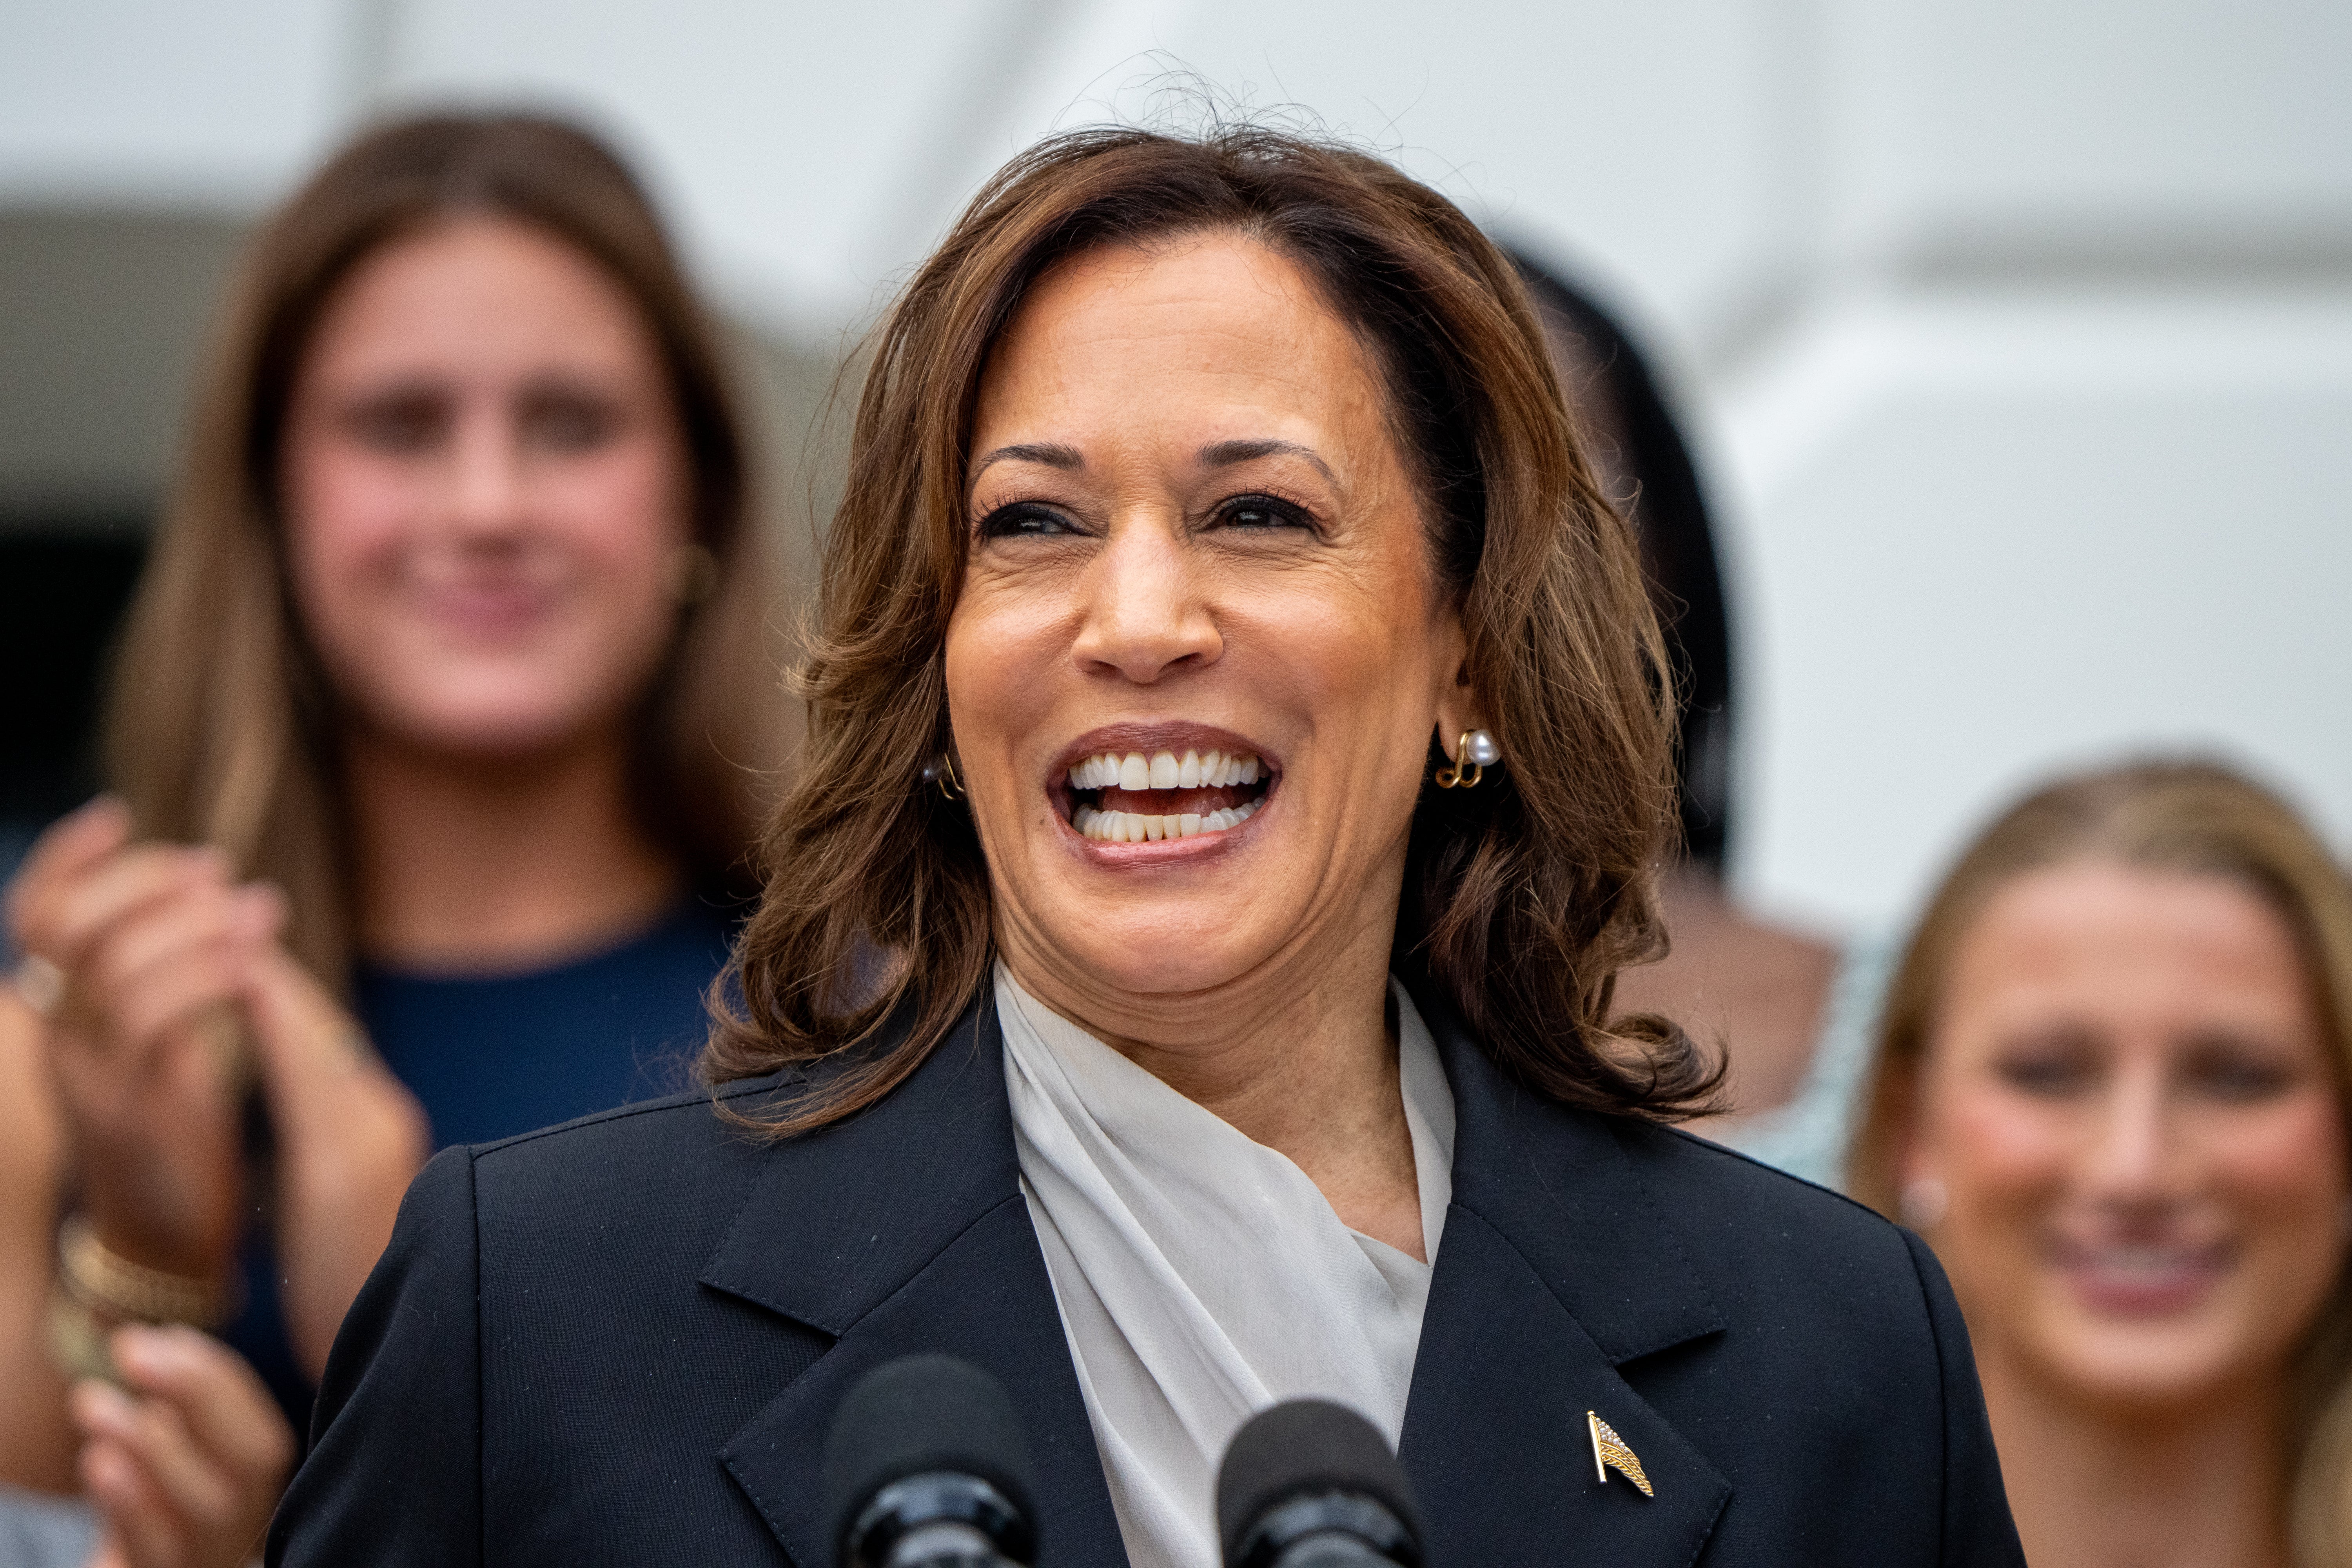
{"type": "Point", "coordinates": [1924, 1203]}
{"type": "Point", "coordinates": [1473, 753]}
{"type": "Point", "coordinates": [941, 770]}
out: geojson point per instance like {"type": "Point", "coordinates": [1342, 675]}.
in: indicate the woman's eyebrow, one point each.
{"type": "Point", "coordinates": [1225, 454]}
{"type": "Point", "coordinates": [1053, 454]}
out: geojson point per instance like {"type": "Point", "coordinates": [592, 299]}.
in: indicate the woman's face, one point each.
{"type": "Point", "coordinates": [1199, 651]}
{"type": "Point", "coordinates": [485, 479]}
{"type": "Point", "coordinates": [2132, 1107]}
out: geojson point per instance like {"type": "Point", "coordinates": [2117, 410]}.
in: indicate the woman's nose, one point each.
{"type": "Point", "coordinates": [486, 480]}
{"type": "Point", "coordinates": [2135, 1155]}
{"type": "Point", "coordinates": [1146, 614]}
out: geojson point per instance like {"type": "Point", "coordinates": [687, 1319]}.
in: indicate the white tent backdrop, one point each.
{"type": "Point", "coordinates": [2018, 333]}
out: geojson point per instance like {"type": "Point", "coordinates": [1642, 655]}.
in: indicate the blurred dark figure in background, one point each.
{"type": "Point", "coordinates": [1793, 1019]}
{"type": "Point", "coordinates": [434, 734]}
{"type": "Point", "coordinates": [2111, 1092]}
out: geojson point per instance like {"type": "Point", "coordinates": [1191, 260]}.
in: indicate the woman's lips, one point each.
{"type": "Point", "coordinates": [488, 610]}
{"type": "Point", "coordinates": [2141, 1279]}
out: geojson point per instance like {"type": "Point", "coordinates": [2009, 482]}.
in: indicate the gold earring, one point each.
{"type": "Point", "coordinates": [1472, 752]}
{"type": "Point", "coordinates": [941, 770]}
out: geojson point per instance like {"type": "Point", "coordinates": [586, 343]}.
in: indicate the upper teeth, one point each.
{"type": "Point", "coordinates": [1164, 770]}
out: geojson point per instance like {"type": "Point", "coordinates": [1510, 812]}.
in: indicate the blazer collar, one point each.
{"type": "Point", "coordinates": [903, 1229]}
{"type": "Point", "coordinates": [1550, 1233]}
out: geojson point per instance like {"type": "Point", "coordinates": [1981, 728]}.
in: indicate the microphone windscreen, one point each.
{"type": "Point", "coordinates": [923, 1412]}
{"type": "Point", "coordinates": [1302, 1447]}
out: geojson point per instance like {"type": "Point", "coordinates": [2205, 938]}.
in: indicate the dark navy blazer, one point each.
{"type": "Point", "coordinates": [621, 1342]}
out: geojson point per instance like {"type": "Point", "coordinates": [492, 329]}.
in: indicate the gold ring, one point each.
{"type": "Point", "coordinates": [41, 983]}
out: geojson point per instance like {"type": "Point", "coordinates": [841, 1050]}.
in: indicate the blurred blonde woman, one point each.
{"type": "Point", "coordinates": [436, 734]}
{"type": "Point", "coordinates": [2111, 1093]}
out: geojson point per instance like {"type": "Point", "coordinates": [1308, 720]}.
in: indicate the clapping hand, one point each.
{"type": "Point", "coordinates": [170, 987]}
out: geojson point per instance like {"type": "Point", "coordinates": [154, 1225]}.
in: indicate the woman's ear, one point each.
{"type": "Point", "coordinates": [1459, 713]}
{"type": "Point", "coordinates": [1459, 709]}
{"type": "Point", "coordinates": [1921, 1198]}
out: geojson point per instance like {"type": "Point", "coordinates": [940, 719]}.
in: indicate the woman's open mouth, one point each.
{"type": "Point", "coordinates": [2143, 1280]}
{"type": "Point", "coordinates": [1149, 797]}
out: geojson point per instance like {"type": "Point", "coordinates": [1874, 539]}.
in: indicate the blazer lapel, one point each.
{"type": "Point", "coordinates": [1553, 1271]}
{"type": "Point", "coordinates": [904, 1230]}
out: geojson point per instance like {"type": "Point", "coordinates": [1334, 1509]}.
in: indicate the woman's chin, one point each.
{"type": "Point", "coordinates": [1170, 946]}
{"type": "Point", "coordinates": [488, 726]}
{"type": "Point", "coordinates": [2147, 1362]}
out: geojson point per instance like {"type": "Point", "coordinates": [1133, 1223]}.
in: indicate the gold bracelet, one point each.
{"type": "Point", "coordinates": [114, 1287]}
{"type": "Point", "coordinates": [77, 1339]}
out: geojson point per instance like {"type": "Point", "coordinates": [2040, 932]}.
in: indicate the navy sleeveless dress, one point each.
{"type": "Point", "coordinates": [492, 1055]}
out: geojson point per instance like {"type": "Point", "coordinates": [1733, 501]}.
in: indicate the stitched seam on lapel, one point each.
{"type": "Point", "coordinates": [1673, 1240]}
{"type": "Point", "coordinates": [777, 1527]}
{"type": "Point", "coordinates": [945, 1247]}
{"type": "Point", "coordinates": [1613, 1358]}
{"type": "Point", "coordinates": [711, 1278]}
{"type": "Point", "coordinates": [1722, 1500]}
{"type": "Point", "coordinates": [712, 1281]}
{"type": "Point", "coordinates": [1715, 1324]}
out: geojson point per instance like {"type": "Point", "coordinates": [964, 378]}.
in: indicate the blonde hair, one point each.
{"type": "Point", "coordinates": [2203, 819]}
{"type": "Point", "coordinates": [222, 725]}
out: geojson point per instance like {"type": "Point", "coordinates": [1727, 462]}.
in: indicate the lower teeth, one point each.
{"type": "Point", "coordinates": [1135, 827]}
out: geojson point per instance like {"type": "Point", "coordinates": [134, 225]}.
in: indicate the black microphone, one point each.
{"type": "Point", "coordinates": [927, 1467]}
{"type": "Point", "coordinates": [1309, 1484]}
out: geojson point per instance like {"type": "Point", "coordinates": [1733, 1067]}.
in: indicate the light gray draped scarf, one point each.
{"type": "Point", "coordinates": [1201, 1276]}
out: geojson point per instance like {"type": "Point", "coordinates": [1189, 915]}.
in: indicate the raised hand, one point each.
{"type": "Point", "coordinates": [167, 974]}
{"type": "Point", "coordinates": [151, 949]}
{"type": "Point", "coordinates": [186, 1462]}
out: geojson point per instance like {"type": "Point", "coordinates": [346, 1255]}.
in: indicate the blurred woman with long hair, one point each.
{"type": "Point", "coordinates": [436, 734]}
{"type": "Point", "coordinates": [2112, 1093]}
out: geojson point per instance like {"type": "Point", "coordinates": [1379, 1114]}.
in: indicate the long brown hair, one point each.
{"type": "Point", "coordinates": [2203, 819]}
{"type": "Point", "coordinates": [1524, 897]}
{"type": "Point", "coordinates": [221, 726]}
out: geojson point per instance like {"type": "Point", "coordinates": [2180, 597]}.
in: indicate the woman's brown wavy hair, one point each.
{"type": "Point", "coordinates": [1524, 896]}
{"type": "Point", "coordinates": [2198, 819]}
{"type": "Point", "coordinates": [222, 724]}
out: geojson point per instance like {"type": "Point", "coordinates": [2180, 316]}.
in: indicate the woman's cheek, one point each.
{"type": "Point", "coordinates": [350, 519]}
{"type": "Point", "coordinates": [2003, 1160]}
{"type": "Point", "coordinates": [2283, 1172]}
{"type": "Point", "coordinates": [621, 518]}
{"type": "Point", "coordinates": [624, 513]}
{"type": "Point", "coordinates": [2002, 1148]}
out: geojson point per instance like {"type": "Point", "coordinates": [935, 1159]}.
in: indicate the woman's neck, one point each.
{"type": "Point", "coordinates": [2200, 1486]}
{"type": "Point", "coordinates": [475, 865]}
{"type": "Point", "coordinates": [1297, 1058]}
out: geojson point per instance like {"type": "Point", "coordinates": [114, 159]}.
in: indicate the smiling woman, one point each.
{"type": "Point", "coordinates": [2112, 1092]}
{"type": "Point", "coordinates": [1237, 764]}
{"type": "Point", "coordinates": [432, 732]}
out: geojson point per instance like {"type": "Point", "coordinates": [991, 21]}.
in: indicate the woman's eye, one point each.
{"type": "Point", "coordinates": [1025, 519]}
{"type": "Point", "coordinates": [398, 426]}
{"type": "Point", "coordinates": [2231, 1072]}
{"type": "Point", "coordinates": [568, 423]}
{"type": "Point", "coordinates": [2049, 1076]}
{"type": "Point", "coordinates": [1260, 513]}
